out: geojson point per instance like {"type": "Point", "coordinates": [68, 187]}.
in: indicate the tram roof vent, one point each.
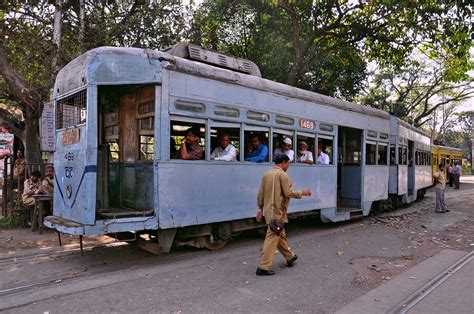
{"type": "Point", "coordinates": [197, 53]}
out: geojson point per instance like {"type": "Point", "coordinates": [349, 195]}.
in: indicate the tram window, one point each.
{"type": "Point", "coordinates": [284, 120]}
{"type": "Point", "coordinates": [231, 134]}
{"type": "Point", "coordinates": [305, 150]}
{"type": "Point", "coordinates": [113, 146]}
{"type": "Point", "coordinates": [393, 160]}
{"type": "Point", "coordinates": [147, 151]}
{"type": "Point", "coordinates": [382, 154]}
{"type": "Point", "coordinates": [417, 158]}
{"type": "Point", "coordinates": [400, 155]}
{"type": "Point", "coordinates": [71, 111]}
{"type": "Point", "coordinates": [188, 106]}
{"type": "Point", "coordinates": [283, 144]}
{"type": "Point", "coordinates": [326, 146]}
{"type": "Point", "coordinates": [258, 116]}
{"type": "Point", "coordinates": [405, 161]}
{"type": "Point", "coordinates": [256, 149]}
{"type": "Point", "coordinates": [370, 154]}
{"type": "Point", "coordinates": [226, 111]}
{"type": "Point", "coordinates": [179, 129]}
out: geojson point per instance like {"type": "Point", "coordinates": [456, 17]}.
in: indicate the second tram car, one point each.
{"type": "Point", "coordinates": [121, 111]}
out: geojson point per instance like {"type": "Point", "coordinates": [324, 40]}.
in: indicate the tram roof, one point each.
{"type": "Point", "coordinates": [214, 72]}
{"type": "Point", "coordinates": [448, 148]}
{"type": "Point", "coordinates": [410, 127]}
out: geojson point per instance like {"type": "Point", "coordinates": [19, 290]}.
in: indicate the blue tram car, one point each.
{"type": "Point", "coordinates": [121, 111]}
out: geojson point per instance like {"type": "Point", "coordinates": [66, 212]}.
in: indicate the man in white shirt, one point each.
{"type": "Point", "coordinates": [323, 158]}
{"type": "Point", "coordinates": [456, 175]}
{"type": "Point", "coordinates": [225, 151]}
{"type": "Point", "coordinates": [303, 155]}
{"type": "Point", "coordinates": [286, 149]}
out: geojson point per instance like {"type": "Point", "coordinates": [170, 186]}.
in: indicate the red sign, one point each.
{"type": "Point", "coordinates": [307, 124]}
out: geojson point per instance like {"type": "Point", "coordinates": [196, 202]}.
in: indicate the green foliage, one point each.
{"type": "Point", "coordinates": [324, 45]}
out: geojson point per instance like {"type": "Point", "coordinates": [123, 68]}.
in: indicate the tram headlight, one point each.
{"type": "Point", "coordinates": [68, 191]}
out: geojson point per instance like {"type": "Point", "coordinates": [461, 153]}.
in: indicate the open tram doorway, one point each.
{"type": "Point", "coordinates": [126, 142]}
{"type": "Point", "coordinates": [349, 169]}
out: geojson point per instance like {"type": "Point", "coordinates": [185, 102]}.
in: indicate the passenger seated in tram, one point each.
{"type": "Point", "coordinates": [285, 149]}
{"type": "Point", "coordinates": [225, 151]}
{"type": "Point", "coordinates": [257, 152]}
{"type": "Point", "coordinates": [32, 186]}
{"type": "Point", "coordinates": [190, 149]}
{"type": "Point", "coordinates": [303, 155]}
{"type": "Point", "coordinates": [323, 158]}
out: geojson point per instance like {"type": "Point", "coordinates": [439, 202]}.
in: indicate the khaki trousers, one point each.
{"type": "Point", "coordinates": [270, 245]}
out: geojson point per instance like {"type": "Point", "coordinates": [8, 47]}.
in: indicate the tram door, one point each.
{"type": "Point", "coordinates": [349, 169]}
{"type": "Point", "coordinates": [128, 129]}
{"type": "Point", "coordinates": [411, 168]}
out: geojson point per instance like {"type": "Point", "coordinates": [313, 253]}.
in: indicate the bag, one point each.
{"type": "Point", "coordinates": [277, 226]}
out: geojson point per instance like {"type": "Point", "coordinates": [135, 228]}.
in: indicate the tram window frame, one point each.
{"type": "Point", "coordinates": [278, 135]}
{"type": "Point", "coordinates": [327, 149]}
{"type": "Point", "coordinates": [393, 155]}
{"type": "Point", "coordinates": [310, 140]}
{"type": "Point", "coordinates": [76, 104]}
{"type": "Point", "coordinates": [405, 155]}
{"type": "Point", "coordinates": [218, 128]}
{"type": "Point", "coordinates": [264, 134]}
{"type": "Point", "coordinates": [187, 123]}
{"type": "Point", "coordinates": [379, 158]}
{"type": "Point", "coordinates": [370, 153]}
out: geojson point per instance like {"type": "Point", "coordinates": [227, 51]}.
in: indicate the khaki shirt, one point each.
{"type": "Point", "coordinates": [281, 194]}
{"type": "Point", "coordinates": [19, 168]}
{"type": "Point", "coordinates": [30, 186]}
{"type": "Point", "coordinates": [440, 179]}
{"type": "Point", "coordinates": [195, 151]}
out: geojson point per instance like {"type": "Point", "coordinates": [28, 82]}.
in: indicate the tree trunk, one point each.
{"type": "Point", "coordinates": [32, 138]}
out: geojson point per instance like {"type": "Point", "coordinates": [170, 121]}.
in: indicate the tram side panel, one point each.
{"type": "Point", "coordinates": [201, 193]}
{"type": "Point", "coordinates": [376, 179]}
{"type": "Point", "coordinates": [75, 175]}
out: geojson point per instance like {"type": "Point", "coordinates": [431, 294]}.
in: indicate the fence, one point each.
{"type": "Point", "coordinates": [13, 186]}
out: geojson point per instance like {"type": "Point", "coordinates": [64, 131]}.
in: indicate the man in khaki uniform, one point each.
{"type": "Point", "coordinates": [273, 198]}
{"type": "Point", "coordinates": [440, 181]}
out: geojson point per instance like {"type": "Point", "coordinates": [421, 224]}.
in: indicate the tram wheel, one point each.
{"type": "Point", "coordinates": [206, 242]}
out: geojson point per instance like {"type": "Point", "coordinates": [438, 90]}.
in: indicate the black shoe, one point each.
{"type": "Point", "coordinates": [292, 261]}
{"type": "Point", "coordinates": [263, 272]}
{"type": "Point", "coordinates": [446, 211]}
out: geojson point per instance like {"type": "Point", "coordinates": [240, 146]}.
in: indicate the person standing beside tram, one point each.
{"type": "Point", "coordinates": [440, 181]}
{"type": "Point", "coordinates": [456, 175]}
{"type": "Point", "coordinates": [190, 149]}
{"type": "Point", "coordinates": [273, 198]}
{"type": "Point", "coordinates": [449, 170]}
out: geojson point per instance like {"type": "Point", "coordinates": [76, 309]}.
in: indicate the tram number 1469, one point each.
{"type": "Point", "coordinates": [307, 124]}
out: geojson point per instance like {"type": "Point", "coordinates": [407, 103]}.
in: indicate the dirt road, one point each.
{"type": "Point", "coordinates": [338, 263]}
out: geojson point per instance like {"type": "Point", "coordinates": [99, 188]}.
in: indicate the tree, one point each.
{"type": "Point", "coordinates": [415, 93]}
{"type": "Point", "coordinates": [322, 45]}
{"type": "Point", "coordinates": [38, 37]}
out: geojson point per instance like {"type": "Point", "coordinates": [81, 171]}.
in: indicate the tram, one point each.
{"type": "Point", "coordinates": [121, 111]}
{"type": "Point", "coordinates": [445, 155]}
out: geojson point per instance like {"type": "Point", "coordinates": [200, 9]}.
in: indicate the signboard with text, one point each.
{"type": "Point", "coordinates": [47, 128]}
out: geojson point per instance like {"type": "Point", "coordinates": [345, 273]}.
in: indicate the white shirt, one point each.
{"type": "Point", "coordinates": [306, 155]}
{"type": "Point", "coordinates": [457, 169]}
{"type": "Point", "coordinates": [227, 154]}
{"type": "Point", "coordinates": [290, 153]}
{"type": "Point", "coordinates": [323, 159]}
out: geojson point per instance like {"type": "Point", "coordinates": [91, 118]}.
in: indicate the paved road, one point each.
{"type": "Point", "coordinates": [338, 265]}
